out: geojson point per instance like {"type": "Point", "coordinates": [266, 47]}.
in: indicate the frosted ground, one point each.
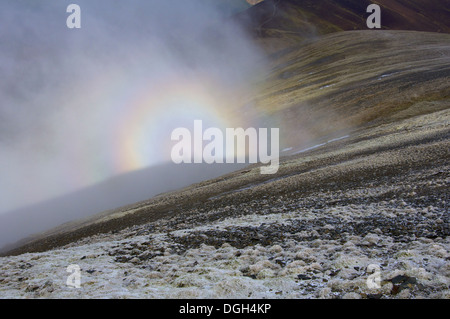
{"type": "Point", "coordinates": [305, 265]}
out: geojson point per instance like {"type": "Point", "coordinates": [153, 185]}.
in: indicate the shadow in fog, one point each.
{"type": "Point", "coordinates": [113, 193]}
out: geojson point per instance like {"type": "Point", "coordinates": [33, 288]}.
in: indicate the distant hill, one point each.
{"type": "Point", "coordinates": [277, 24]}
{"type": "Point", "coordinates": [253, 2]}
{"type": "Point", "coordinates": [351, 79]}
{"type": "Point", "coordinates": [113, 193]}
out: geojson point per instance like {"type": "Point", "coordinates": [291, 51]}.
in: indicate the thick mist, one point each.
{"type": "Point", "coordinates": [80, 106]}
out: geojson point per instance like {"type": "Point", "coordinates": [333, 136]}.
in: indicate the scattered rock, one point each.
{"type": "Point", "coordinates": [303, 277]}
{"type": "Point", "coordinates": [402, 282]}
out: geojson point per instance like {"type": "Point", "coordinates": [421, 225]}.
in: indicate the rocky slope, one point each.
{"type": "Point", "coordinates": [362, 186]}
{"type": "Point", "coordinates": [375, 199]}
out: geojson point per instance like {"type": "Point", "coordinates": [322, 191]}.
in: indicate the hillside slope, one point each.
{"type": "Point", "coordinates": [278, 24]}
{"type": "Point", "coordinates": [378, 198]}
{"type": "Point", "coordinates": [349, 79]}
{"type": "Point", "coordinates": [390, 84]}
{"type": "Point", "coordinates": [364, 118]}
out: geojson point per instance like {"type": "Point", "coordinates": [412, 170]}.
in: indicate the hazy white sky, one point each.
{"type": "Point", "coordinates": [72, 100]}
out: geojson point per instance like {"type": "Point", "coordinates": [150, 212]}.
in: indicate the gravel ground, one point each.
{"type": "Point", "coordinates": [285, 251]}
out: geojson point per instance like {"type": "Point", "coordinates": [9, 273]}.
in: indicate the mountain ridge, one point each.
{"type": "Point", "coordinates": [277, 24]}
